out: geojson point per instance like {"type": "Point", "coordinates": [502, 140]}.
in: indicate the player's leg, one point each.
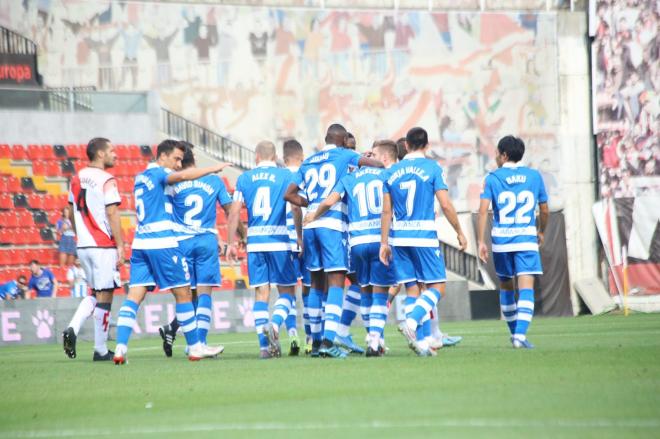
{"type": "Point", "coordinates": [85, 308]}
{"type": "Point", "coordinates": [429, 269]}
{"type": "Point", "coordinates": [258, 278]}
{"type": "Point", "coordinates": [504, 268]}
{"type": "Point", "coordinates": [281, 272]}
{"type": "Point", "coordinates": [381, 278]}
{"type": "Point", "coordinates": [351, 303]}
{"type": "Point", "coordinates": [205, 274]}
{"type": "Point", "coordinates": [527, 264]}
{"type": "Point", "coordinates": [312, 258]}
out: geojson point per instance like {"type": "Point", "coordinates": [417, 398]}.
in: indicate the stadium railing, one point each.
{"type": "Point", "coordinates": [462, 263]}
{"type": "Point", "coordinates": [11, 42]}
{"type": "Point", "coordinates": [73, 100]}
{"type": "Point", "coordinates": [216, 145]}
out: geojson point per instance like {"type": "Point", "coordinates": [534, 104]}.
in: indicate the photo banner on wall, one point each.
{"type": "Point", "coordinates": [18, 70]}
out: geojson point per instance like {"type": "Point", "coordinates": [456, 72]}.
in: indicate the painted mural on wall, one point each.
{"type": "Point", "coordinates": [626, 86]}
{"type": "Point", "coordinates": [253, 73]}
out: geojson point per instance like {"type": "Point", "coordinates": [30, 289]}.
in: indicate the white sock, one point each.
{"type": "Point", "coordinates": [101, 328]}
{"type": "Point", "coordinates": [85, 309]}
{"type": "Point", "coordinates": [293, 333]}
{"type": "Point", "coordinates": [435, 328]}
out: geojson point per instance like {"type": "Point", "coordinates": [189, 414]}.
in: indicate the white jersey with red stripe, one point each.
{"type": "Point", "coordinates": [91, 191]}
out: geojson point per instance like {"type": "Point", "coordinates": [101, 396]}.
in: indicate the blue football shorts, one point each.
{"type": "Point", "coordinates": [325, 249]}
{"type": "Point", "coordinates": [201, 252]}
{"type": "Point", "coordinates": [369, 269]}
{"type": "Point", "coordinates": [418, 264]}
{"type": "Point", "coordinates": [275, 268]}
{"type": "Point", "coordinates": [511, 264]}
{"type": "Point", "coordinates": [166, 267]}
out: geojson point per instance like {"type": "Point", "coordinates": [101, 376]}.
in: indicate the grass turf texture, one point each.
{"type": "Point", "coordinates": [588, 377]}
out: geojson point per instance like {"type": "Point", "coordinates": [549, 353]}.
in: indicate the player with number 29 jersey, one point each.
{"type": "Point", "coordinates": [317, 176]}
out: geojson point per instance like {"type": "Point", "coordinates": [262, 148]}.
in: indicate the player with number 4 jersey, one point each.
{"type": "Point", "coordinates": [270, 260]}
{"type": "Point", "coordinates": [514, 191]}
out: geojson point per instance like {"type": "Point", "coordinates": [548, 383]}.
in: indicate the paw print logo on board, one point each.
{"type": "Point", "coordinates": [43, 322]}
{"type": "Point", "coordinates": [246, 311]}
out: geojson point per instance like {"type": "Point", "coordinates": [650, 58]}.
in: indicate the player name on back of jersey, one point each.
{"type": "Point", "coordinates": [319, 158]}
{"type": "Point", "coordinates": [263, 176]}
{"type": "Point", "coordinates": [516, 178]}
{"type": "Point", "coordinates": [368, 171]}
{"type": "Point", "coordinates": [194, 184]}
{"type": "Point", "coordinates": [141, 178]}
{"type": "Point", "coordinates": [421, 173]}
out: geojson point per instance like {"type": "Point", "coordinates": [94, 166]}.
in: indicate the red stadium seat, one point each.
{"type": "Point", "coordinates": [9, 220]}
{"type": "Point", "coordinates": [227, 284]}
{"type": "Point", "coordinates": [4, 185]}
{"type": "Point", "coordinates": [134, 152]}
{"type": "Point", "coordinates": [244, 214]}
{"type": "Point", "coordinates": [39, 167]}
{"type": "Point", "coordinates": [6, 201]}
{"type": "Point", "coordinates": [5, 151]}
{"type": "Point", "coordinates": [5, 257]}
{"type": "Point", "coordinates": [13, 184]}
{"type": "Point", "coordinates": [124, 272]}
{"type": "Point", "coordinates": [5, 236]}
{"type": "Point", "coordinates": [35, 152]}
{"type": "Point", "coordinates": [59, 272]}
{"type": "Point", "coordinates": [33, 236]}
{"type": "Point", "coordinates": [18, 152]}
{"type": "Point", "coordinates": [53, 169]}
{"type": "Point", "coordinates": [48, 152]}
{"type": "Point", "coordinates": [25, 218]}
{"type": "Point", "coordinates": [122, 152]}
{"type": "Point", "coordinates": [36, 201]}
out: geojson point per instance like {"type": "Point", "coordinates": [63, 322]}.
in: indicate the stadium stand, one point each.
{"type": "Point", "coordinates": [33, 190]}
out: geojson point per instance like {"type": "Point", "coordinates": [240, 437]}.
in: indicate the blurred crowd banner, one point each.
{"type": "Point", "coordinates": [626, 86]}
{"type": "Point", "coordinates": [253, 73]}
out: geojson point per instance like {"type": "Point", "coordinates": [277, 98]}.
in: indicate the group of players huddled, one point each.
{"type": "Point", "coordinates": [335, 215]}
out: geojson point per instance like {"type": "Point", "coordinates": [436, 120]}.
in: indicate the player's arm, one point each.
{"type": "Point", "coordinates": [544, 214]}
{"type": "Point", "coordinates": [297, 223]}
{"type": "Point", "coordinates": [448, 209]}
{"type": "Point", "coordinates": [481, 228]}
{"type": "Point", "coordinates": [240, 230]}
{"type": "Point", "coordinates": [385, 253]}
{"type": "Point", "coordinates": [194, 173]}
{"type": "Point", "coordinates": [112, 212]}
{"type": "Point", "coordinates": [56, 285]}
{"type": "Point", "coordinates": [293, 197]}
{"type": "Point", "coordinates": [332, 199]}
{"type": "Point", "coordinates": [233, 220]}
{"type": "Point", "coordinates": [370, 162]}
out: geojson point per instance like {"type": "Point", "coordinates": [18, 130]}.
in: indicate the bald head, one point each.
{"type": "Point", "coordinates": [265, 151]}
{"type": "Point", "coordinates": [336, 135]}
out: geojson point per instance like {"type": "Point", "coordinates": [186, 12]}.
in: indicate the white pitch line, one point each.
{"type": "Point", "coordinates": [475, 423]}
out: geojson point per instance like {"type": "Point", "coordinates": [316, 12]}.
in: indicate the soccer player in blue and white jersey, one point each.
{"type": "Point", "coordinates": [514, 191]}
{"type": "Point", "coordinates": [156, 258]}
{"type": "Point", "coordinates": [14, 289]}
{"type": "Point", "coordinates": [194, 208]}
{"type": "Point", "coordinates": [325, 250]}
{"type": "Point", "coordinates": [292, 154]}
{"type": "Point", "coordinates": [270, 261]}
{"type": "Point", "coordinates": [409, 190]}
{"type": "Point", "coordinates": [363, 191]}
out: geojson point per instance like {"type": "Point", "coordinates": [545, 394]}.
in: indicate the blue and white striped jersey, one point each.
{"type": "Point", "coordinates": [153, 206]}
{"type": "Point", "coordinates": [262, 190]}
{"type": "Point", "coordinates": [412, 184]}
{"type": "Point", "coordinates": [363, 192]}
{"type": "Point", "coordinates": [514, 191]}
{"type": "Point", "coordinates": [290, 225]}
{"type": "Point", "coordinates": [318, 175]}
{"type": "Point", "coordinates": [194, 204]}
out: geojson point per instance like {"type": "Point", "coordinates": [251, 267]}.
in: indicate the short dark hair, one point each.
{"type": "Point", "coordinates": [401, 145]}
{"type": "Point", "coordinates": [512, 146]}
{"type": "Point", "coordinates": [350, 135]}
{"type": "Point", "coordinates": [334, 131]}
{"type": "Point", "coordinates": [188, 156]}
{"type": "Point", "coordinates": [22, 278]}
{"type": "Point", "coordinates": [95, 145]}
{"type": "Point", "coordinates": [34, 261]}
{"type": "Point", "coordinates": [290, 148]}
{"type": "Point", "coordinates": [167, 146]}
{"type": "Point", "coordinates": [417, 138]}
{"type": "Point", "coordinates": [389, 147]}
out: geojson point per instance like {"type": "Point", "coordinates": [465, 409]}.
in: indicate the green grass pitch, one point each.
{"type": "Point", "coordinates": [588, 377]}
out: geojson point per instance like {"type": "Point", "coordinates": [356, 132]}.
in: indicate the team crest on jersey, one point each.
{"type": "Point", "coordinates": [175, 259]}
{"type": "Point", "coordinates": [437, 253]}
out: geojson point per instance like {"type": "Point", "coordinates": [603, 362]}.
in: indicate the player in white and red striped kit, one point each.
{"type": "Point", "coordinates": [95, 199]}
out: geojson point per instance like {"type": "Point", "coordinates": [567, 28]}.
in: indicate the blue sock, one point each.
{"type": "Point", "coordinates": [308, 329]}
{"type": "Point", "coordinates": [185, 315]}
{"type": "Point", "coordinates": [314, 307]}
{"type": "Point", "coordinates": [350, 307]}
{"type": "Point", "coordinates": [508, 307]}
{"type": "Point", "coordinates": [426, 326]}
{"type": "Point", "coordinates": [281, 310]}
{"type": "Point", "coordinates": [333, 312]}
{"type": "Point", "coordinates": [260, 313]}
{"type": "Point", "coordinates": [203, 312]}
{"type": "Point", "coordinates": [409, 304]}
{"type": "Point", "coordinates": [365, 308]}
{"type": "Point", "coordinates": [378, 314]}
{"type": "Point", "coordinates": [525, 313]}
{"type": "Point", "coordinates": [324, 301]}
{"type": "Point", "coordinates": [291, 318]}
{"type": "Point", "coordinates": [126, 320]}
{"type": "Point", "coordinates": [424, 304]}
